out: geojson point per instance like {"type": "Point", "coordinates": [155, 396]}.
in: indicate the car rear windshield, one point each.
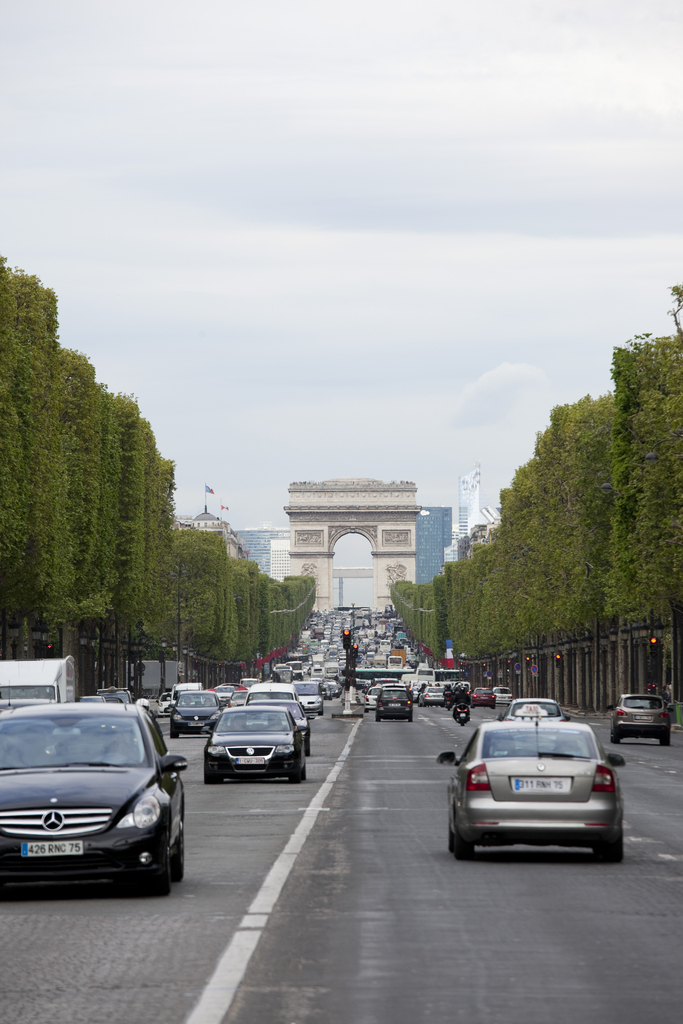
{"type": "Point", "coordinates": [197, 700]}
{"type": "Point", "coordinates": [270, 695]}
{"type": "Point", "coordinates": [524, 710]}
{"type": "Point", "coordinates": [307, 689]}
{"type": "Point", "coordinates": [49, 741]}
{"type": "Point", "coordinates": [534, 742]}
{"type": "Point", "coordinates": [643, 703]}
{"type": "Point", "coordinates": [394, 693]}
{"type": "Point", "coordinates": [253, 722]}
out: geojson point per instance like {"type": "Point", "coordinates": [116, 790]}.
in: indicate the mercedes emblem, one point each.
{"type": "Point", "coordinates": [53, 821]}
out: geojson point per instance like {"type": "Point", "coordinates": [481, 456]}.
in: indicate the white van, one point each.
{"type": "Point", "coordinates": [50, 679]}
{"type": "Point", "coordinates": [271, 691]}
{"type": "Point", "coordinates": [183, 688]}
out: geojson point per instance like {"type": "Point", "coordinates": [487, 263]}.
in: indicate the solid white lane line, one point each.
{"type": "Point", "coordinates": [219, 992]}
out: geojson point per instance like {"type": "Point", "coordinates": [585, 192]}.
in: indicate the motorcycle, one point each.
{"type": "Point", "coordinates": [461, 713]}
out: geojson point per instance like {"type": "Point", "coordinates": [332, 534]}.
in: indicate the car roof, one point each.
{"type": "Point", "coordinates": [87, 708]}
{"type": "Point", "coordinates": [535, 700]}
{"type": "Point", "coordinates": [526, 724]}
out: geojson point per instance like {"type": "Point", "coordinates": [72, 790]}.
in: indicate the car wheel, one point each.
{"type": "Point", "coordinates": [178, 857]}
{"type": "Point", "coordinates": [614, 737]}
{"type": "Point", "coordinates": [210, 779]}
{"type": "Point", "coordinates": [377, 718]}
{"type": "Point", "coordinates": [462, 850]}
{"type": "Point", "coordinates": [161, 885]}
{"type": "Point", "coordinates": [612, 852]}
{"type": "Point", "coordinates": [451, 839]}
{"type": "Point", "coordinates": [173, 734]}
{"type": "Point", "coordinates": [322, 711]}
{"type": "Point", "coordinates": [410, 718]}
{"type": "Point", "coordinates": [296, 776]}
{"type": "Point", "coordinates": [665, 741]}
{"type": "Point", "coordinates": [303, 773]}
{"type": "Point", "coordinates": [308, 748]}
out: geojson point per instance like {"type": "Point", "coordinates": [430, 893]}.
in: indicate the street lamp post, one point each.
{"type": "Point", "coordinates": [162, 665]}
{"type": "Point", "coordinates": [179, 572]}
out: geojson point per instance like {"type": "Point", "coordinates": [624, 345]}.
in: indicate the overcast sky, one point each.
{"type": "Point", "coordinates": [315, 240]}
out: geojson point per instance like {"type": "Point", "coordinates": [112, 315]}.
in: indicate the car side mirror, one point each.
{"type": "Point", "coordinates": [610, 707]}
{"type": "Point", "coordinates": [616, 760]}
{"type": "Point", "coordinates": [671, 708]}
{"type": "Point", "coordinates": [567, 717]}
{"type": "Point", "coordinates": [173, 763]}
{"type": "Point", "coordinates": [447, 757]}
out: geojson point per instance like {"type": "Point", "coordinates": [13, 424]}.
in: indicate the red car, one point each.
{"type": "Point", "coordinates": [483, 698]}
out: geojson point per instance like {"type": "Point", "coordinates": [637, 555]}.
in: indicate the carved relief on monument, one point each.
{"type": "Point", "coordinates": [396, 572]}
{"type": "Point", "coordinates": [395, 537]}
{"type": "Point", "coordinates": [309, 538]}
{"type": "Point", "coordinates": [310, 569]}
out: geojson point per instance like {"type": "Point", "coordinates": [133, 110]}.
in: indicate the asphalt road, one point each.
{"type": "Point", "coordinates": [377, 923]}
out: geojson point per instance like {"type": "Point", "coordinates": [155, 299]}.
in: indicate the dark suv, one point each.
{"type": "Point", "coordinates": [394, 702]}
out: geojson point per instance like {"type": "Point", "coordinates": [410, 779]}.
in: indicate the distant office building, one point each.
{"type": "Point", "coordinates": [451, 552]}
{"type": "Point", "coordinates": [468, 500]}
{"type": "Point", "coordinates": [257, 541]}
{"type": "Point", "coordinates": [434, 533]}
{"type": "Point", "coordinates": [279, 557]}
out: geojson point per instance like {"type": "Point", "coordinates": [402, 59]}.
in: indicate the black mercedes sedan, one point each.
{"type": "Point", "coordinates": [89, 792]}
{"type": "Point", "coordinates": [255, 742]}
{"type": "Point", "coordinates": [194, 711]}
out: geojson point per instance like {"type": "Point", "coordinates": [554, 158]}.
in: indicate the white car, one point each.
{"type": "Point", "coordinates": [503, 695]}
{"type": "Point", "coordinates": [371, 698]}
{"type": "Point", "coordinates": [164, 703]}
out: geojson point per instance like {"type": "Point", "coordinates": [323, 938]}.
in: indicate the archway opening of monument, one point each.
{"type": "Point", "coordinates": [353, 551]}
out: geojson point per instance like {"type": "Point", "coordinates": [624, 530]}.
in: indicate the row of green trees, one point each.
{"type": "Point", "coordinates": [85, 497]}
{"type": "Point", "coordinates": [86, 509]}
{"type": "Point", "coordinates": [228, 609]}
{"type": "Point", "coordinates": [592, 525]}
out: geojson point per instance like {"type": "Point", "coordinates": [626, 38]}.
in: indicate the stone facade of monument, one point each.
{"type": "Point", "coordinates": [384, 513]}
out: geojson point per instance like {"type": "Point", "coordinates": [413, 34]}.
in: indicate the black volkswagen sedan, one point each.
{"type": "Point", "coordinates": [298, 714]}
{"type": "Point", "coordinates": [193, 711]}
{"type": "Point", "coordinates": [89, 792]}
{"type": "Point", "coordinates": [255, 742]}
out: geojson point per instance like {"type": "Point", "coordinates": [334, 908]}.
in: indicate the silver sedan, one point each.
{"type": "Point", "coordinates": [537, 783]}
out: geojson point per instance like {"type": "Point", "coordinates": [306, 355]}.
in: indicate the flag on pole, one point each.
{"type": "Point", "coordinates": [207, 489]}
{"type": "Point", "coordinates": [224, 507]}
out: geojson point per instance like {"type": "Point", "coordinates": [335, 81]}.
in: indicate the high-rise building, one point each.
{"type": "Point", "coordinates": [279, 558]}
{"type": "Point", "coordinates": [433, 534]}
{"type": "Point", "coordinates": [469, 500]}
{"type": "Point", "coordinates": [257, 542]}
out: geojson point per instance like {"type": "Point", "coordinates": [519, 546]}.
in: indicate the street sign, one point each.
{"type": "Point", "coordinates": [489, 675]}
{"type": "Point", "coordinates": [534, 669]}
{"type": "Point", "coordinates": [518, 667]}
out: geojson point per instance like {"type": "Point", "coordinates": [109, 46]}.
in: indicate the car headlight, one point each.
{"type": "Point", "coordinates": [216, 751]}
{"type": "Point", "coordinates": [215, 715]}
{"type": "Point", "coordinates": [284, 748]}
{"type": "Point", "coordinates": [146, 813]}
{"type": "Point", "coordinates": [177, 716]}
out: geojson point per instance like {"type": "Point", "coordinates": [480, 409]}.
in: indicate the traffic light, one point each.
{"type": "Point", "coordinates": [346, 639]}
{"type": "Point", "coordinates": [354, 652]}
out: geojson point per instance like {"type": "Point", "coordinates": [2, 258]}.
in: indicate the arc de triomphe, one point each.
{"type": "Point", "coordinates": [384, 513]}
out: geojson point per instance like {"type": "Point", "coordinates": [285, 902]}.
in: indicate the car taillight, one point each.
{"type": "Point", "coordinates": [477, 777]}
{"type": "Point", "coordinates": [664, 714]}
{"type": "Point", "coordinates": [604, 780]}
{"type": "Point", "coordinates": [379, 703]}
{"type": "Point", "coordinates": [620, 713]}
{"type": "Point", "coordinates": [408, 702]}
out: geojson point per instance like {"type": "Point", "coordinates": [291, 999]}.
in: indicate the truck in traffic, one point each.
{"type": "Point", "coordinates": [51, 679]}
